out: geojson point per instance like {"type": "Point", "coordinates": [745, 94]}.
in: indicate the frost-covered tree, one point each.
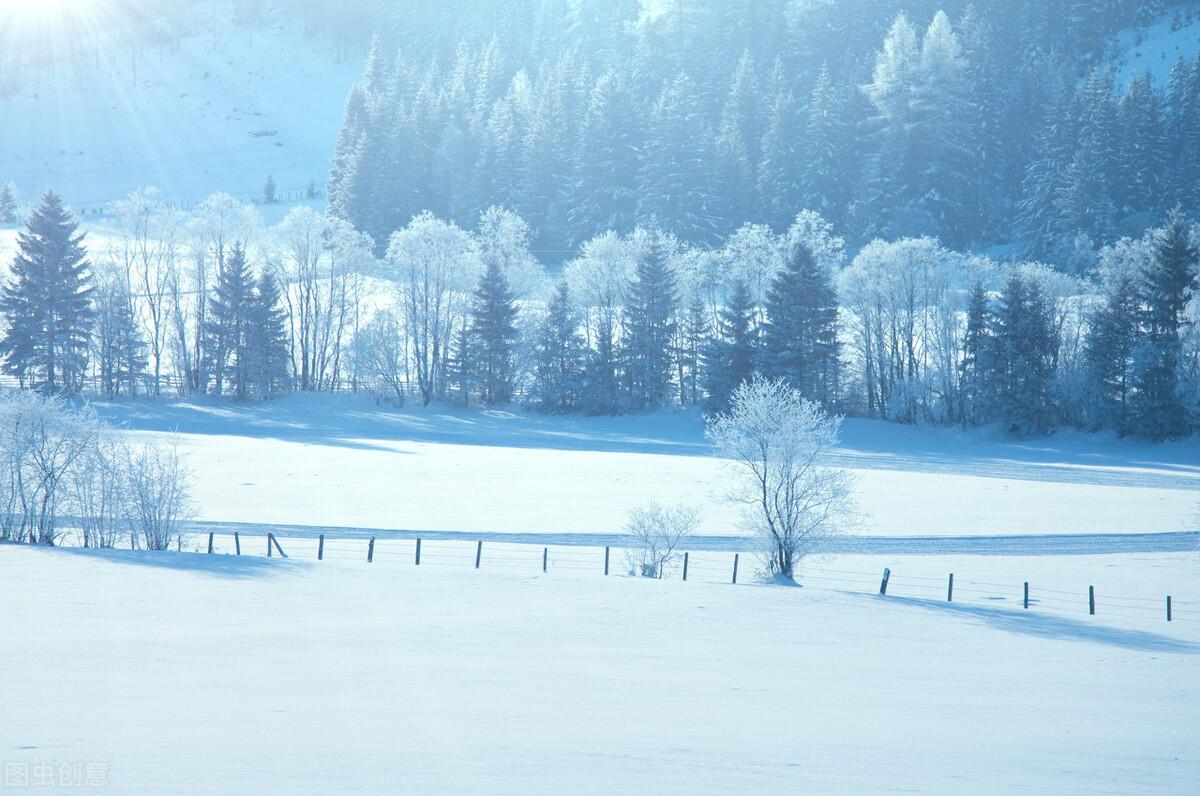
{"type": "Point", "coordinates": [47, 302]}
{"type": "Point", "coordinates": [434, 265]}
{"type": "Point", "coordinates": [792, 502]}
{"type": "Point", "coordinates": [656, 532]}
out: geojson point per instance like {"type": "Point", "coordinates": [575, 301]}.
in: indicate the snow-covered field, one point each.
{"type": "Point", "coordinates": [185, 673]}
{"type": "Point", "coordinates": [342, 461]}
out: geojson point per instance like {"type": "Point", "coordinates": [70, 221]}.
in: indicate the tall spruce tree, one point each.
{"type": "Point", "coordinates": [119, 348]}
{"type": "Point", "coordinates": [558, 380]}
{"type": "Point", "coordinates": [729, 356]}
{"type": "Point", "coordinates": [1167, 283]}
{"type": "Point", "coordinates": [800, 338]}
{"type": "Point", "coordinates": [1108, 356]}
{"type": "Point", "coordinates": [228, 325]}
{"type": "Point", "coordinates": [493, 336]}
{"type": "Point", "coordinates": [1021, 358]}
{"type": "Point", "coordinates": [48, 302]}
{"type": "Point", "coordinates": [266, 339]}
{"type": "Point", "coordinates": [650, 323]}
{"type": "Point", "coordinates": [974, 369]}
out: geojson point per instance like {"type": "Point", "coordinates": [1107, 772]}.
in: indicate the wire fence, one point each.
{"type": "Point", "coordinates": [709, 567]}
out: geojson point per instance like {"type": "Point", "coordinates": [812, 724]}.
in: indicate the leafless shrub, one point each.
{"type": "Point", "coordinates": [656, 532]}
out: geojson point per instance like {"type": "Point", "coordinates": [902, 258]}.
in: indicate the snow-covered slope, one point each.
{"type": "Point", "coordinates": [216, 113]}
{"type": "Point", "coordinates": [189, 673]}
{"type": "Point", "coordinates": [1157, 48]}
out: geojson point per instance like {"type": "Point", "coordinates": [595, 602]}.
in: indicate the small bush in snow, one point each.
{"type": "Point", "coordinates": [158, 498]}
{"type": "Point", "coordinates": [99, 492]}
{"type": "Point", "coordinates": [775, 440]}
{"type": "Point", "coordinates": [656, 532]}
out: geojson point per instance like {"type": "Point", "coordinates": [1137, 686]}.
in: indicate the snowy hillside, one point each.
{"type": "Point", "coordinates": [218, 111]}
{"type": "Point", "coordinates": [1159, 47]}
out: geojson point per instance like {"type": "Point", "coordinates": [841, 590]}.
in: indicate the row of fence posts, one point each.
{"type": "Point", "coordinates": [887, 574]}
{"type": "Point", "coordinates": [273, 545]}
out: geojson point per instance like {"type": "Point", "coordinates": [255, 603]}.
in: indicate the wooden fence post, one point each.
{"type": "Point", "coordinates": [321, 548]}
{"type": "Point", "coordinates": [1027, 594]}
{"type": "Point", "coordinates": [1168, 608]}
{"type": "Point", "coordinates": [736, 556]}
{"type": "Point", "coordinates": [371, 551]}
{"type": "Point", "coordinates": [545, 557]}
{"type": "Point", "coordinates": [950, 589]}
{"type": "Point", "coordinates": [210, 542]}
{"type": "Point", "coordinates": [237, 543]}
{"type": "Point", "coordinates": [271, 540]}
{"type": "Point", "coordinates": [606, 561]}
{"type": "Point", "coordinates": [887, 574]}
{"type": "Point", "coordinates": [1092, 600]}
{"type": "Point", "coordinates": [478, 553]}
{"type": "Point", "coordinates": [268, 545]}
{"type": "Point", "coordinates": [685, 565]}
{"type": "Point", "coordinates": [418, 552]}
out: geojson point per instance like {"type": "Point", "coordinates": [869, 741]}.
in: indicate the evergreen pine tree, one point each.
{"type": "Point", "coordinates": [1020, 359]}
{"type": "Point", "coordinates": [975, 368]}
{"type": "Point", "coordinates": [800, 338]}
{"type": "Point", "coordinates": [493, 336]}
{"type": "Point", "coordinates": [827, 142]}
{"type": "Point", "coordinates": [729, 357]}
{"type": "Point", "coordinates": [120, 349]}
{"type": "Point", "coordinates": [558, 381]}
{"type": "Point", "coordinates": [269, 197]}
{"type": "Point", "coordinates": [8, 205]}
{"type": "Point", "coordinates": [1167, 284]}
{"type": "Point", "coordinates": [650, 323]}
{"type": "Point", "coordinates": [48, 302]}
{"type": "Point", "coordinates": [1108, 356]}
{"type": "Point", "coordinates": [228, 325]}
{"type": "Point", "coordinates": [606, 170]}
{"type": "Point", "coordinates": [266, 339]}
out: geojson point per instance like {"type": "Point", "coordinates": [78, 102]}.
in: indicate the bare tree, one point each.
{"type": "Point", "coordinates": [382, 348]}
{"type": "Point", "coordinates": [100, 495]}
{"type": "Point", "coordinates": [656, 532]}
{"type": "Point", "coordinates": [775, 440]}
{"type": "Point", "coordinates": [42, 441]}
{"type": "Point", "coordinates": [158, 497]}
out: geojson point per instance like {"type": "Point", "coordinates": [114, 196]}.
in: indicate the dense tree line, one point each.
{"type": "Point", "coordinates": [906, 330]}
{"type": "Point", "coordinates": [976, 124]}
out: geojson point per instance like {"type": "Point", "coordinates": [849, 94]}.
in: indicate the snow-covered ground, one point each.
{"type": "Point", "coordinates": [185, 673]}
{"type": "Point", "coordinates": [342, 461]}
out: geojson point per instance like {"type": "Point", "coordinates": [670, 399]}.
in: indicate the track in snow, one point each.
{"type": "Point", "coordinates": [1040, 545]}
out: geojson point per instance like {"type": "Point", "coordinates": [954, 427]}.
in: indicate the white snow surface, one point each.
{"type": "Point", "coordinates": [322, 460]}
{"type": "Point", "coordinates": [187, 673]}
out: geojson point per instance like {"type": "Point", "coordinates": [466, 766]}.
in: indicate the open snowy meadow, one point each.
{"type": "Point", "coordinates": [532, 672]}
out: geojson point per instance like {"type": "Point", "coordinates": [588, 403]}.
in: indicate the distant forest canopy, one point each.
{"type": "Point", "coordinates": [983, 125]}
